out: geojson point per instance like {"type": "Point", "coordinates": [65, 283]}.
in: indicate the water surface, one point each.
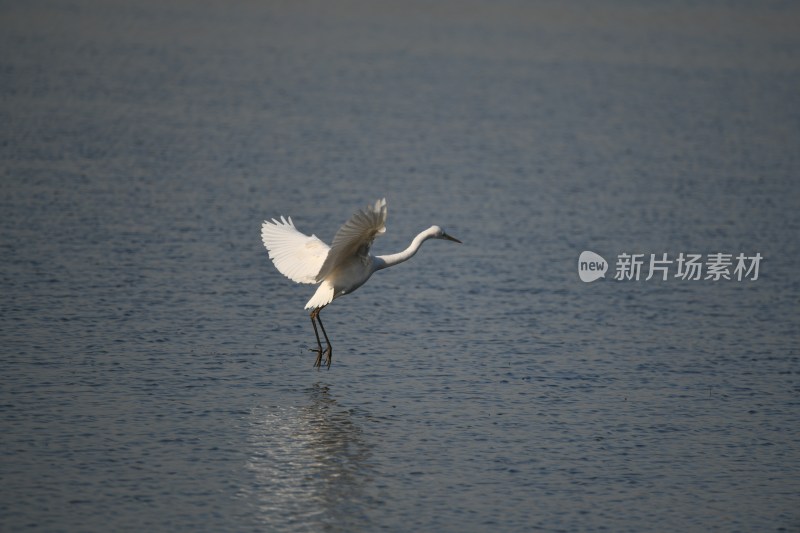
{"type": "Point", "coordinates": [156, 372]}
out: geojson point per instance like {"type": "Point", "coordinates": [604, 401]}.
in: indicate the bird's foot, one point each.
{"type": "Point", "coordinates": [319, 351]}
{"type": "Point", "coordinates": [327, 352]}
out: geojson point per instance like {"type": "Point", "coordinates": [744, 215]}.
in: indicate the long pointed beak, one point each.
{"type": "Point", "coordinates": [449, 238]}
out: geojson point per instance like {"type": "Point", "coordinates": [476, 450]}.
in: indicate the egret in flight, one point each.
{"type": "Point", "coordinates": [340, 268]}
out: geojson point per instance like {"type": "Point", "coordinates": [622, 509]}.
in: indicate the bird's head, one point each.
{"type": "Point", "coordinates": [439, 233]}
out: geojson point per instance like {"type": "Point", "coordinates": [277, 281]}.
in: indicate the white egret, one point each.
{"type": "Point", "coordinates": [340, 268]}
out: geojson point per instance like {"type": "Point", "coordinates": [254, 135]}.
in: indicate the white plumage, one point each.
{"type": "Point", "coordinates": [296, 256]}
{"type": "Point", "coordinates": [340, 268]}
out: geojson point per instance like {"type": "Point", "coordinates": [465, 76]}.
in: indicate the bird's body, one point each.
{"type": "Point", "coordinates": [352, 273]}
{"type": "Point", "coordinates": [340, 268]}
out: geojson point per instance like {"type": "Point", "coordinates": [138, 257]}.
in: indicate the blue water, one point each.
{"type": "Point", "coordinates": [155, 366]}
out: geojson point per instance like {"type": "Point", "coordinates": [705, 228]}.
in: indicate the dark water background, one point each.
{"type": "Point", "coordinates": [155, 371]}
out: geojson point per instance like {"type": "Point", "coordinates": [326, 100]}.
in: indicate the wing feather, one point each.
{"type": "Point", "coordinates": [296, 255]}
{"type": "Point", "coordinates": [355, 237]}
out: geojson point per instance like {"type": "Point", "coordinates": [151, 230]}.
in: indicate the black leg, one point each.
{"type": "Point", "coordinates": [314, 315]}
{"type": "Point", "coordinates": [328, 350]}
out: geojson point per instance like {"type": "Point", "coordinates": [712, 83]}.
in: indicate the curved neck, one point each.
{"type": "Point", "coordinates": [385, 261]}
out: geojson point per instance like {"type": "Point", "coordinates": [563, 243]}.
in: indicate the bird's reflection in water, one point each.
{"type": "Point", "coordinates": [311, 465]}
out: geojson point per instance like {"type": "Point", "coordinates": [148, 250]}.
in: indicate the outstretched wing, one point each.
{"type": "Point", "coordinates": [296, 255]}
{"type": "Point", "coordinates": [355, 237]}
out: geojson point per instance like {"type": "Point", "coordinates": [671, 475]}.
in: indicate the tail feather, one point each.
{"type": "Point", "coordinates": [322, 297]}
